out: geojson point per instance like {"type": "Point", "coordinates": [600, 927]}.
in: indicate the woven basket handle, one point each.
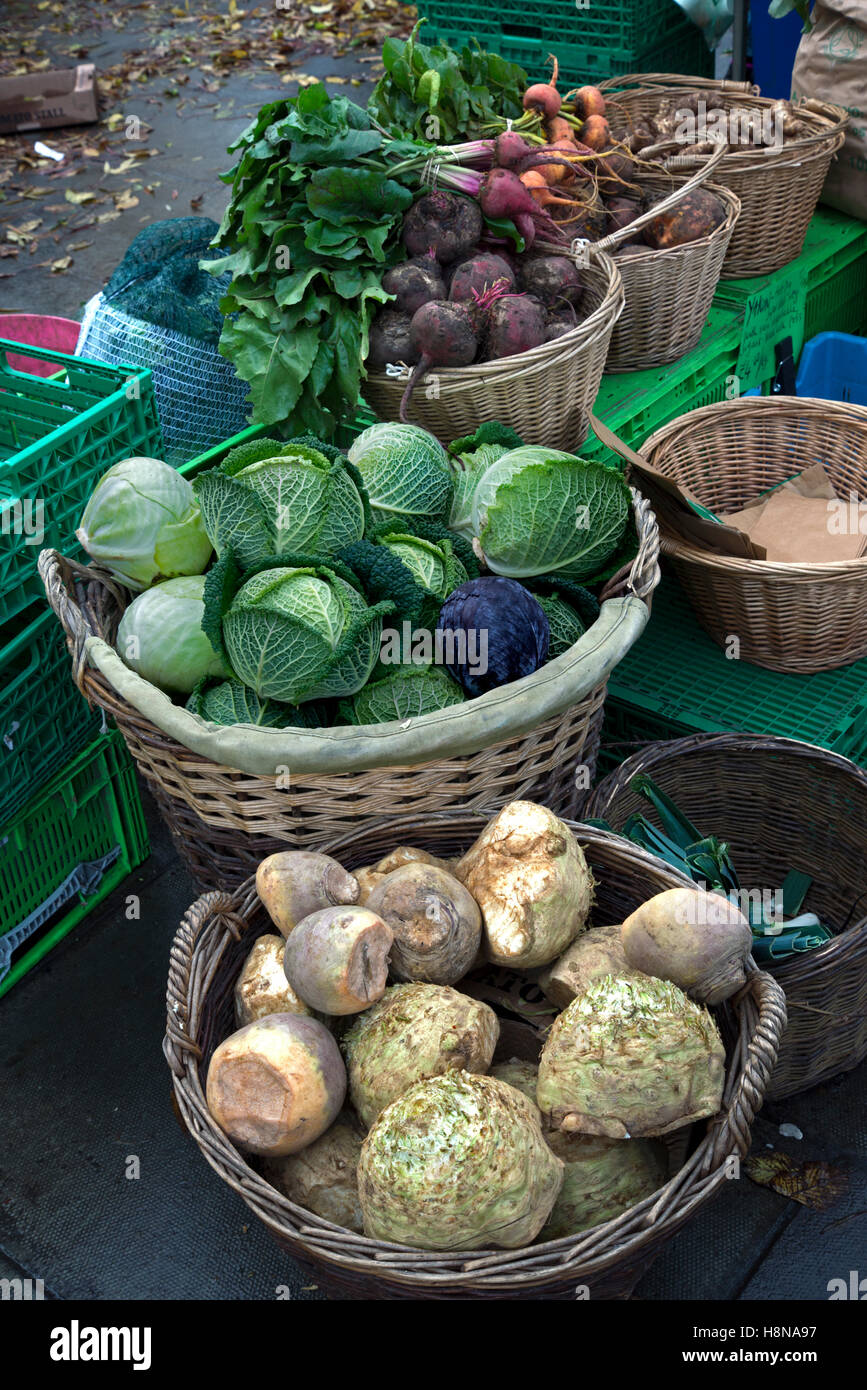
{"type": "Point", "coordinates": [178, 1043]}
{"type": "Point", "coordinates": [702, 171]}
{"type": "Point", "coordinates": [643, 574]}
{"type": "Point", "coordinates": [60, 576]}
{"type": "Point", "coordinates": [653, 80]}
{"type": "Point", "coordinates": [766, 997]}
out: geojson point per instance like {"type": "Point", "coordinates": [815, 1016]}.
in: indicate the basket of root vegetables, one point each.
{"type": "Point", "coordinates": [301, 640]}
{"type": "Point", "coordinates": [777, 153]}
{"type": "Point", "coordinates": [450, 1058]}
{"type": "Point", "coordinates": [788, 823]}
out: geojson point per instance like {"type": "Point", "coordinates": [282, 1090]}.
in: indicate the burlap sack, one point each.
{"type": "Point", "coordinates": [831, 64]}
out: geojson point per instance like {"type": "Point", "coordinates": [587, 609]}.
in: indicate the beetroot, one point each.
{"type": "Point", "coordinates": [622, 212]}
{"type": "Point", "coordinates": [516, 323]}
{"type": "Point", "coordinates": [472, 278]}
{"type": "Point", "coordinates": [552, 279]}
{"type": "Point", "coordinates": [503, 195]}
{"type": "Point", "coordinates": [415, 283]}
{"type": "Point", "coordinates": [510, 148]}
{"type": "Point", "coordinates": [390, 339]}
{"type": "Point", "coordinates": [444, 335]}
{"type": "Point", "coordinates": [446, 224]}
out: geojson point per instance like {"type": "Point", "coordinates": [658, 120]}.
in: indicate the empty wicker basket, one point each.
{"type": "Point", "coordinates": [544, 394]}
{"type": "Point", "coordinates": [778, 187]}
{"type": "Point", "coordinates": [780, 805]}
{"type": "Point", "coordinates": [787, 617]}
{"type": "Point", "coordinates": [608, 1260]}
{"type": "Point", "coordinates": [525, 740]}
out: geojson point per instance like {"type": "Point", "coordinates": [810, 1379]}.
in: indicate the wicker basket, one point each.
{"type": "Point", "coordinates": [778, 188]}
{"type": "Point", "coordinates": [780, 805]}
{"type": "Point", "coordinates": [544, 394]}
{"type": "Point", "coordinates": [668, 293]}
{"type": "Point", "coordinates": [786, 617]}
{"type": "Point", "coordinates": [223, 820]}
{"type": "Point", "coordinates": [206, 957]}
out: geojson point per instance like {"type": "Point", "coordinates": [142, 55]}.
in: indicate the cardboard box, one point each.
{"type": "Point", "coordinates": [43, 100]}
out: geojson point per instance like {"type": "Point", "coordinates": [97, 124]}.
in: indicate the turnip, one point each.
{"type": "Point", "coordinates": [294, 883]}
{"type": "Point", "coordinates": [446, 224]}
{"type": "Point", "coordinates": [516, 323]}
{"type": "Point", "coordinates": [414, 283]}
{"type": "Point", "coordinates": [390, 340]}
{"type": "Point", "coordinates": [276, 1084]}
{"type": "Point", "coordinates": [553, 279]}
{"type": "Point", "coordinates": [336, 960]}
{"type": "Point", "coordinates": [445, 336]}
{"type": "Point", "coordinates": [700, 941]}
{"type": "Point", "coordinates": [472, 278]}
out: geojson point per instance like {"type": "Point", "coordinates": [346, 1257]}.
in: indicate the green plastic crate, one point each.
{"type": "Point", "coordinates": [58, 435]}
{"type": "Point", "coordinates": [634, 404]}
{"type": "Point", "coordinates": [363, 417]}
{"type": "Point", "coordinates": [65, 852]}
{"type": "Point", "coordinates": [676, 681]}
{"type": "Point", "coordinates": [593, 40]}
{"type": "Point", "coordinates": [834, 264]}
{"type": "Point", "coordinates": [43, 718]}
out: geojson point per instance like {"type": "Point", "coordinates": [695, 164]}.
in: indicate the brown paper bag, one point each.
{"type": "Point", "coordinates": [831, 65]}
{"type": "Point", "coordinates": [798, 524]}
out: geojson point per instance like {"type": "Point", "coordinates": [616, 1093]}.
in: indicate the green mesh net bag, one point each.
{"type": "Point", "coordinates": [159, 310]}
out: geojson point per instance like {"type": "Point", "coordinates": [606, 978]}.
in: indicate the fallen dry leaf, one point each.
{"type": "Point", "coordinates": [85, 196]}
{"type": "Point", "coordinates": [63, 264]}
{"type": "Point", "coordinates": [812, 1183]}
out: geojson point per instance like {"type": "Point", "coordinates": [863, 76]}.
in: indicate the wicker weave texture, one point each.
{"type": "Point", "coordinates": [778, 188]}
{"type": "Point", "coordinates": [206, 957]}
{"type": "Point", "coordinates": [544, 394]}
{"type": "Point", "coordinates": [780, 805]}
{"type": "Point", "coordinates": [669, 293]}
{"type": "Point", "coordinates": [787, 617]}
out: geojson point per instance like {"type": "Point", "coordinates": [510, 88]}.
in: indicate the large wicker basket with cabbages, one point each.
{"type": "Point", "coordinates": [232, 795]}
{"type": "Point", "coordinates": [604, 1262]}
{"type": "Point", "coordinates": [778, 187]}
{"type": "Point", "coordinates": [780, 805]}
{"type": "Point", "coordinates": [545, 394]}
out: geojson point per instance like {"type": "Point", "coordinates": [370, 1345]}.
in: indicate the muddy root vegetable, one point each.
{"type": "Point", "coordinates": [294, 883]}
{"type": "Point", "coordinates": [337, 959]}
{"type": "Point", "coordinates": [602, 1179]}
{"type": "Point", "coordinates": [529, 876]}
{"type": "Point", "coordinates": [368, 877]}
{"type": "Point", "coordinates": [414, 283]}
{"type": "Point", "coordinates": [436, 923]}
{"type": "Point", "coordinates": [516, 323]}
{"type": "Point", "coordinates": [694, 217]}
{"type": "Point", "coordinates": [407, 854]}
{"type": "Point", "coordinates": [277, 1084]}
{"type": "Point", "coordinates": [262, 987]}
{"type": "Point", "coordinates": [324, 1176]}
{"type": "Point", "coordinates": [553, 279]}
{"type": "Point", "coordinates": [502, 194]}
{"type": "Point", "coordinates": [472, 278]}
{"type": "Point", "coordinates": [622, 212]}
{"type": "Point", "coordinates": [543, 96]}
{"type": "Point", "coordinates": [415, 1031]}
{"type": "Point", "coordinates": [629, 1059]}
{"type": "Point", "coordinates": [593, 955]}
{"type": "Point", "coordinates": [445, 336]}
{"type": "Point", "coordinates": [700, 941]}
{"type": "Point", "coordinates": [446, 224]}
{"type": "Point", "coordinates": [458, 1162]}
{"type": "Point", "coordinates": [391, 340]}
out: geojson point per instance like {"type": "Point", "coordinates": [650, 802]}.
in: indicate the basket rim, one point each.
{"type": "Point", "coordinates": [825, 114]}
{"type": "Point", "coordinates": [667, 750]}
{"type": "Point", "coordinates": [546, 355]}
{"type": "Point", "coordinates": [788, 409]}
{"type": "Point", "coordinates": [748, 1074]}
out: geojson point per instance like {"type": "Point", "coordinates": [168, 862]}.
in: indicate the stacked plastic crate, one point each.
{"type": "Point", "coordinates": [66, 788]}
{"type": "Point", "coordinates": [593, 39]}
